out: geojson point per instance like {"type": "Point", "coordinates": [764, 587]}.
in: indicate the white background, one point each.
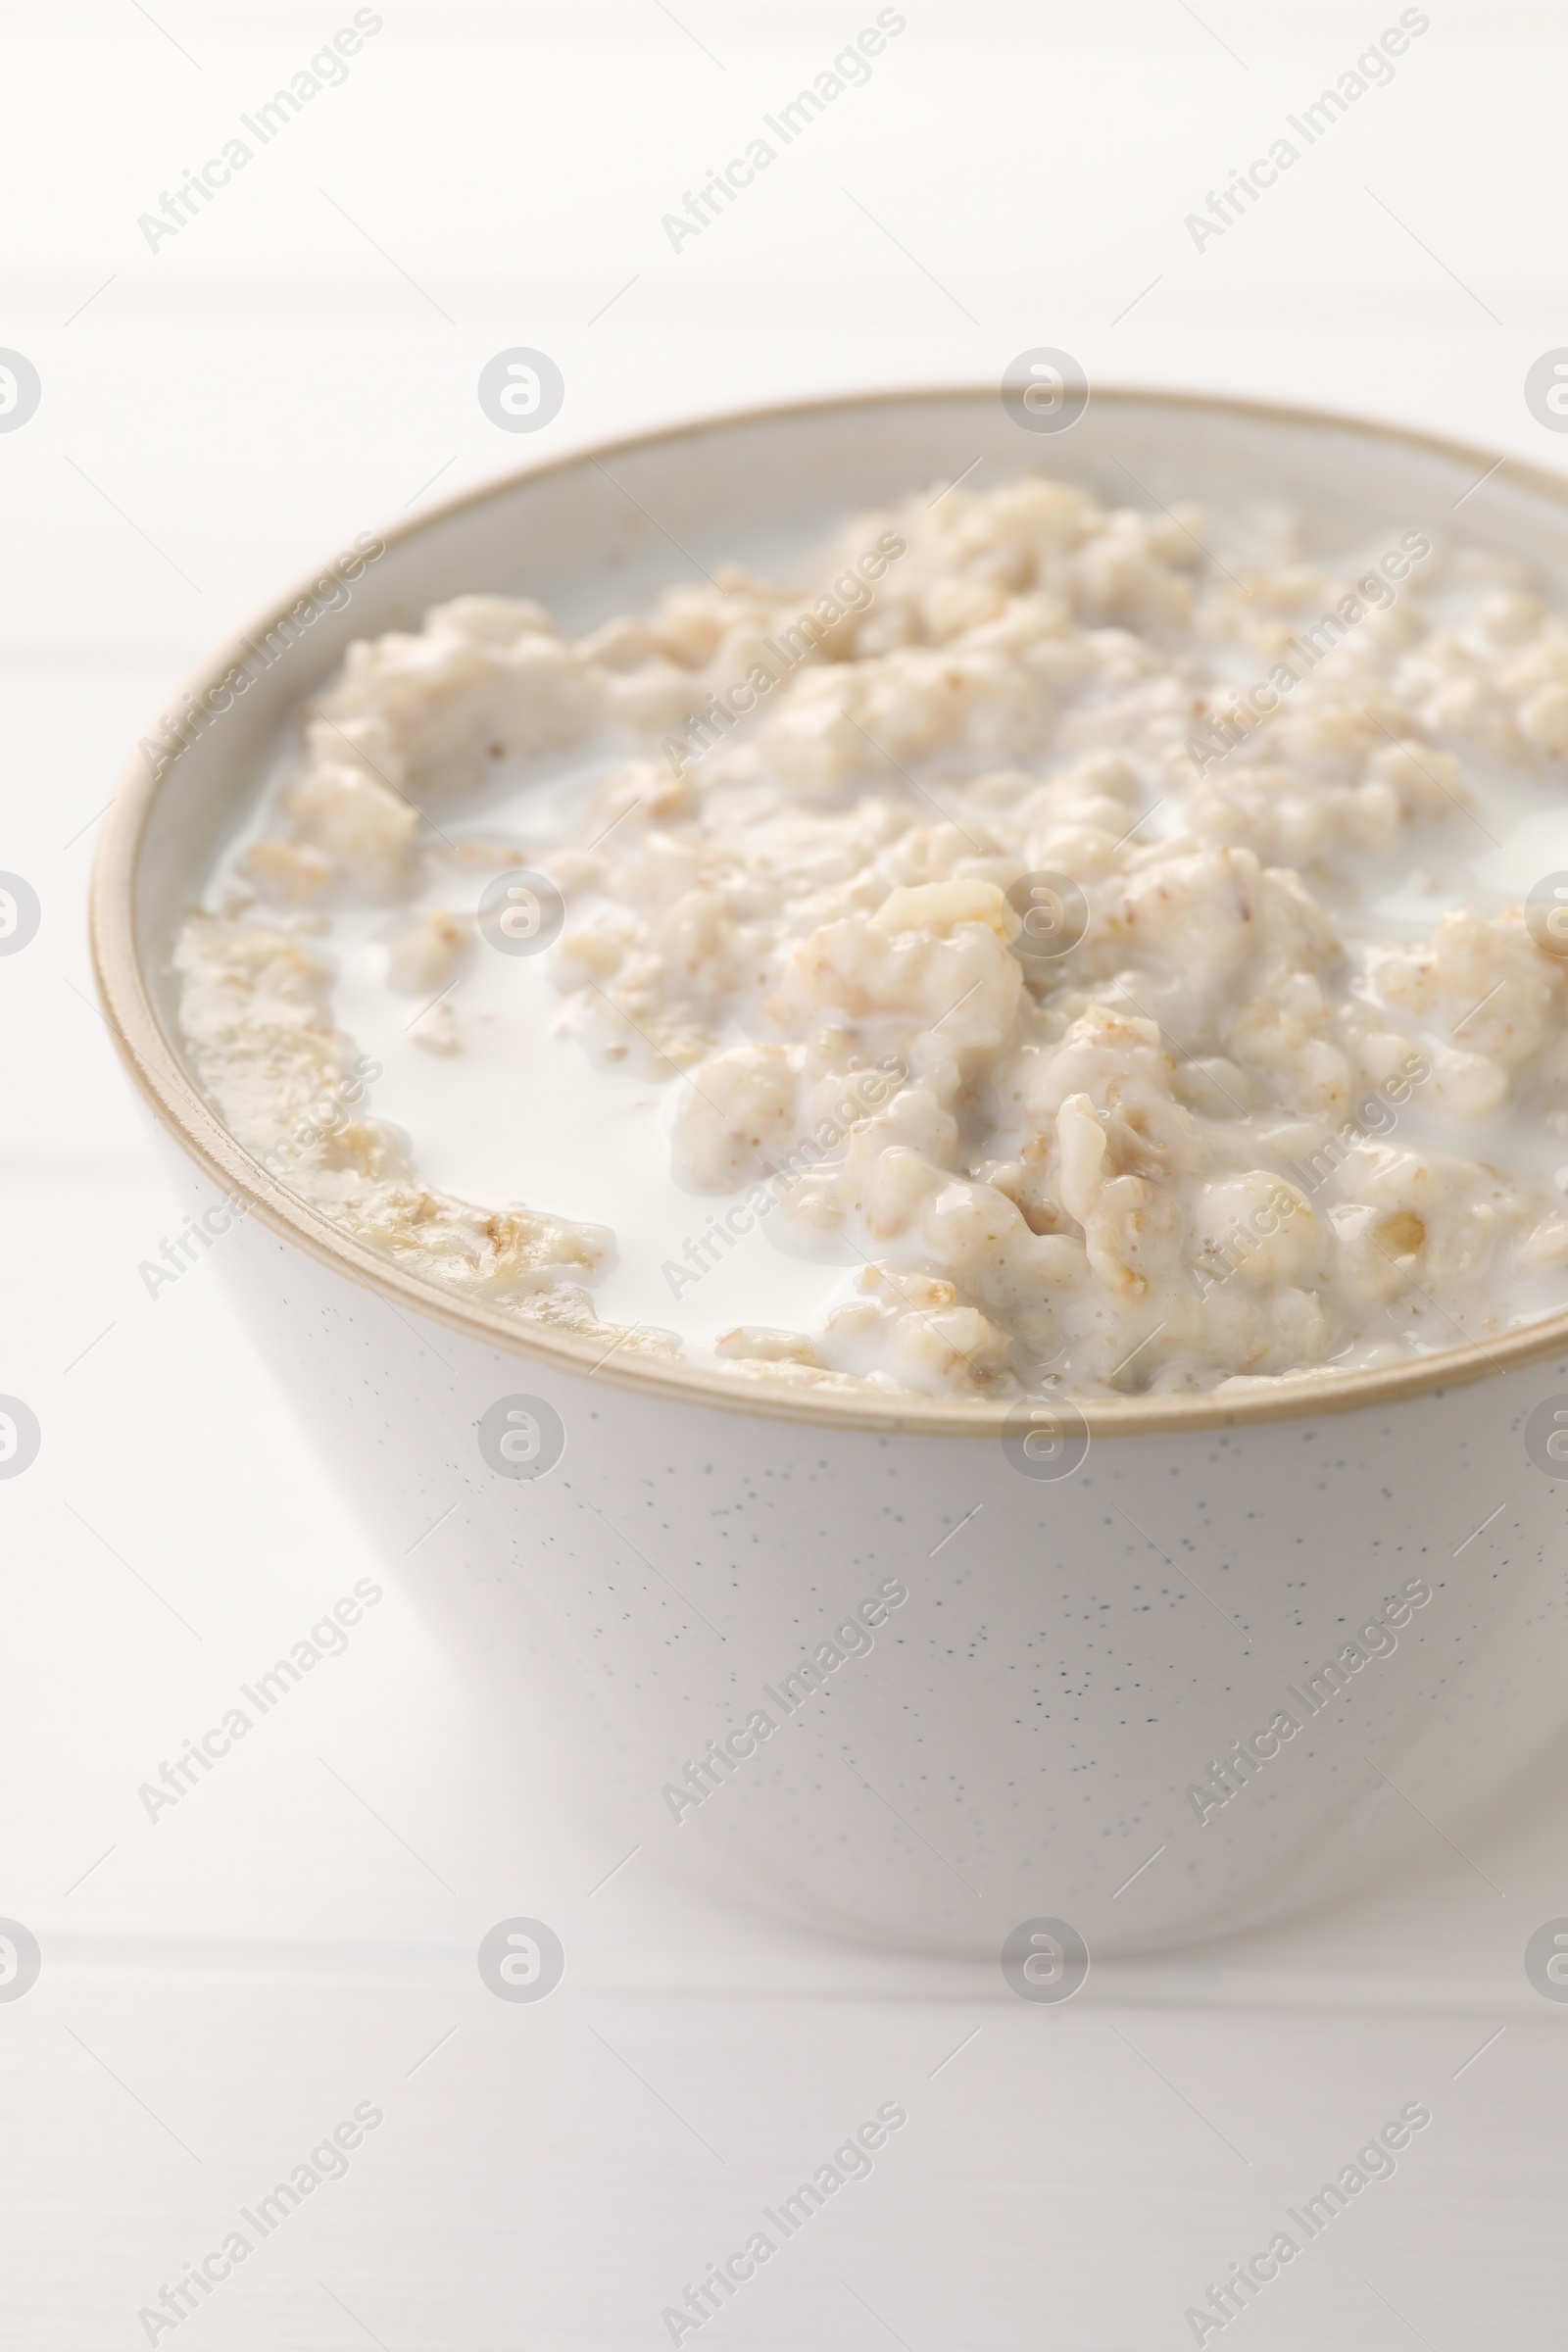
{"type": "Point", "coordinates": [222, 1986]}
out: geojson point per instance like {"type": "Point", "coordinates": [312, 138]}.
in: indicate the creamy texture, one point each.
{"type": "Point", "coordinates": [1079, 949]}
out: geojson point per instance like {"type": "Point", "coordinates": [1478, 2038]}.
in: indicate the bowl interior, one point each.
{"type": "Point", "coordinates": [599, 533]}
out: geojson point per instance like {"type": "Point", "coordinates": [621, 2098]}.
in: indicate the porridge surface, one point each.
{"type": "Point", "coordinates": [1046, 947]}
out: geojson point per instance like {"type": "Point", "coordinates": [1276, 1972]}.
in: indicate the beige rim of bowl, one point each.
{"type": "Point", "coordinates": [176, 1104]}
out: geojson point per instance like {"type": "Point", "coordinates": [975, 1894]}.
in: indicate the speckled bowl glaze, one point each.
{"type": "Point", "coordinates": [1188, 1667]}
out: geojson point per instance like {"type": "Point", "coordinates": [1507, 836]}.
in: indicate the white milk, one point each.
{"type": "Point", "coordinates": [521, 1113]}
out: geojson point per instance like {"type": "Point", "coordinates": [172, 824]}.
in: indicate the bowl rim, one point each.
{"type": "Point", "coordinates": [178, 1105]}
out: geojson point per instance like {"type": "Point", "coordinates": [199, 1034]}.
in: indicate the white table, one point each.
{"type": "Point", "coordinates": [224, 1983]}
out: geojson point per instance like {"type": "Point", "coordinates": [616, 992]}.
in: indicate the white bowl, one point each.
{"type": "Point", "coordinates": [1082, 1640]}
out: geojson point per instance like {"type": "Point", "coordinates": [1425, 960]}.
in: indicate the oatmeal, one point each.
{"type": "Point", "coordinates": [1068, 949]}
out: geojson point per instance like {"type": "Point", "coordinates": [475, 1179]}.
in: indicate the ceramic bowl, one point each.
{"type": "Point", "coordinates": [909, 1673]}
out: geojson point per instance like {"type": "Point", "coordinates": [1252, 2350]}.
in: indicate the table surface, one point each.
{"type": "Point", "coordinates": [225, 1985]}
